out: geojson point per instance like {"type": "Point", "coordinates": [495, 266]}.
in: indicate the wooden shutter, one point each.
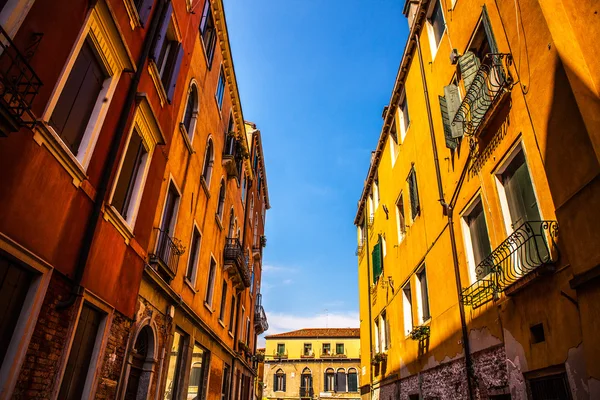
{"type": "Point", "coordinates": [284, 382]}
{"type": "Point", "coordinates": [414, 194]}
{"type": "Point", "coordinates": [340, 382]}
{"type": "Point", "coordinates": [144, 11]}
{"type": "Point", "coordinates": [393, 131]}
{"type": "Point", "coordinates": [469, 65]}
{"type": "Point", "coordinates": [174, 73]}
{"type": "Point", "coordinates": [376, 256]}
{"type": "Point", "coordinates": [452, 96]}
{"type": "Point", "coordinates": [162, 32]}
{"type": "Point", "coordinates": [274, 382]}
{"type": "Point", "coordinates": [487, 26]}
{"type": "Point", "coordinates": [325, 383]}
{"type": "Point", "coordinates": [451, 143]}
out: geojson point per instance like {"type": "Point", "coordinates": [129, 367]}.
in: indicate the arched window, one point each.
{"type": "Point", "coordinates": [191, 111]}
{"type": "Point", "coordinates": [255, 234]}
{"type": "Point", "coordinates": [352, 380]}
{"type": "Point", "coordinates": [244, 187]}
{"type": "Point", "coordinates": [208, 162]}
{"type": "Point", "coordinates": [340, 381]}
{"type": "Point", "coordinates": [231, 232]}
{"type": "Point", "coordinates": [279, 381]}
{"type": "Point", "coordinates": [251, 207]}
{"type": "Point", "coordinates": [306, 384]}
{"type": "Point", "coordinates": [329, 380]}
{"type": "Point", "coordinates": [142, 358]}
{"type": "Point", "coordinates": [221, 204]}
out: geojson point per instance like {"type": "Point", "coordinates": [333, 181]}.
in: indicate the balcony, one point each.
{"type": "Point", "coordinates": [260, 317]}
{"type": "Point", "coordinates": [235, 263]}
{"type": "Point", "coordinates": [282, 355]}
{"type": "Point", "coordinates": [491, 82]}
{"type": "Point", "coordinates": [306, 392]}
{"type": "Point", "coordinates": [330, 354]}
{"type": "Point", "coordinates": [259, 244]}
{"type": "Point", "coordinates": [307, 354]}
{"type": "Point", "coordinates": [517, 261]}
{"type": "Point", "coordinates": [232, 158]}
{"type": "Point", "coordinates": [360, 248]}
{"type": "Point", "coordinates": [19, 85]}
{"type": "Point", "coordinates": [166, 255]}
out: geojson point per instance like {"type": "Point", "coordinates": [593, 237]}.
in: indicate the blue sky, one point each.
{"type": "Point", "coordinates": [314, 75]}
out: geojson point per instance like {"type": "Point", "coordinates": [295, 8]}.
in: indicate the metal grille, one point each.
{"type": "Point", "coordinates": [553, 387]}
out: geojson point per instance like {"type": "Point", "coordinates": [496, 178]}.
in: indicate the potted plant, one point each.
{"type": "Point", "coordinates": [420, 332]}
{"type": "Point", "coordinates": [378, 358]}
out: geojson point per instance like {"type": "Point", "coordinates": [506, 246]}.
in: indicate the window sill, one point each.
{"type": "Point", "coordinates": [45, 135]}
{"type": "Point", "coordinates": [186, 138]}
{"type": "Point", "coordinates": [219, 223]}
{"type": "Point", "coordinates": [230, 334]}
{"type": "Point", "coordinates": [190, 284]}
{"type": "Point", "coordinates": [220, 107]}
{"type": "Point", "coordinates": [205, 187]}
{"type": "Point", "coordinates": [112, 215]}
{"type": "Point", "coordinates": [155, 75]}
{"type": "Point", "coordinates": [207, 306]}
{"type": "Point", "coordinates": [134, 17]}
{"type": "Point", "coordinates": [221, 323]}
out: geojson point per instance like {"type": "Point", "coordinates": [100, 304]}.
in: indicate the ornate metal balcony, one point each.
{"type": "Point", "coordinates": [530, 246]}
{"type": "Point", "coordinates": [232, 156]}
{"type": "Point", "coordinates": [235, 262]}
{"type": "Point", "coordinates": [360, 248]}
{"type": "Point", "coordinates": [260, 317]}
{"type": "Point", "coordinates": [19, 85]}
{"type": "Point", "coordinates": [490, 83]}
{"type": "Point", "coordinates": [280, 354]}
{"type": "Point", "coordinates": [307, 392]}
{"type": "Point", "coordinates": [166, 254]}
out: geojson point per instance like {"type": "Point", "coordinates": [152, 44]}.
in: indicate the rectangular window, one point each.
{"type": "Point", "coordinates": [415, 207]}
{"type": "Point", "coordinates": [377, 336]}
{"type": "Point", "coordinates": [80, 356]}
{"type": "Point", "coordinates": [223, 301]}
{"type": "Point", "coordinates": [339, 348]}
{"type": "Point", "coordinates": [211, 282]}
{"type": "Point", "coordinates": [407, 307]}
{"type": "Point", "coordinates": [174, 367]}
{"type": "Point", "coordinates": [404, 118]}
{"type": "Point", "coordinates": [340, 381]}
{"type": "Point", "coordinates": [167, 53]}
{"type": "Point", "coordinates": [225, 383]}
{"type": "Point", "coordinates": [232, 313]}
{"type": "Point", "coordinates": [190, 273]}
{"type": "Point", "coordinates": [198, 372]}
{"type": "Point", "coordinates": [248, 331]}
{"type": "Point", "coordinates": [326, 349]}
{"type": "Point", "coordinates": [308, 349]}
{"type": "Point", "coordinates": [208, 33]}
{"type": "Point", "coordinates": [78, 98]}
{"type": "Point", "coordinates": [424, 313]}
{"type": "Point", "coordinates": [550, 387]}
{"type": "Point", "coordinates": [220, 89]}
{"type": "Point", "coordinates": [280, 349]}
{"type": "Point", "coordinates": [377, 256]}
{"type": "Point", "coordinates": [385, 331]}
{"type": "Point", "coordinates": [400, 219]}
{"type": "Point", "coordinates": [437, 23]}
{"type": "Point", "coordinates": [477, 236]}
{"type": "Point", "coordinates": [376, 197]}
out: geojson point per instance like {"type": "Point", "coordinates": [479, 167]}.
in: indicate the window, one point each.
{"type": "Point", "coordinates": [208, 33]}
{"type": "Point", "coordinates": [221, 204]}
{"type": "Point", "coordinates": [198, 372]}
{"type": "Point", "coordinates": [385, 331]}
{"type": "Point", "coordinates": [81, 353]}
{"type": "Point", "coordinates": [476, 233]}
{"type": "Point", "coordinates": [340, 381]}
{"type": "Point", "coordinates": [193, 257]}
{"type": "Point", "coordinates": [279, 381]}
{"type": "Point", "coordinates": [352, 380]}
{"type": "Point", "coordinates": [404, 117]}
{"type": "Point", "coordinates": [251, 207]}
{"type": "Point", "coordinates": [223, 301]}
{"type": "Point", "coordinates": [244, 187]}
{"type": "Point", "coordinates": [176, 358]}
{"type": "Point", "coordinates": [225, 383]}
{"type": "Point", "coordinates": [394, 149]}
{"type": "Point", "coordinates": [211, 282]}
{"type": "Point", "coordinates": [326, 349]}
{"type": "Point", "coordinates": [437, 25]}
{"type": "Point", "coordinates": [415, 207]}
{"type": "Point", "coordinates": [248, 333]}
{"type": "Point", "coordinates": [377, 336]}
{"type": "Point", "coordinates": [407, 308]}
{"type": "Point", "coordinates": [550, 387]}
{"type": "Point", "coordinates": [169, 216]}
{"type": "Point", "coordinates": [376, 197]}
{"type": "Point", "coordinates": [306, 383]}
{"type": "Point", "coordinates": [131, 178]}
{"type": "Point", "coordinates": [252, 283]}
{"type": "Point", "coordinates": [167, 54]}
{"type": "Point", "coordinates": [400, 219]}
{"type": "Point", "coordinates": [339, 348]}
{"type": "Point", "coordinates": [220, 89]}
{"type": "Point", "coordinates": [208, 163]}
{"type": "Point", "coordinates": [143, 8]}
{"type": "Point", "coordinates": [377, 256]}
{"type": "Point", "coordinates": [232, 223]}
{"type": "Point", "coordinates": [191, 112]}
{"type": "Point", "coordinates": [78, 98]}
{"type": "Point", "coordinates": [424, 313]}
{"type": "Point", "coordinates": [329, 380]}
{"type": "Point", "coordinates": [308, 349]}
{"type": "Point", "coordinates": [232, 313]}
{"type": "Point", "coordinates": [280, 349]}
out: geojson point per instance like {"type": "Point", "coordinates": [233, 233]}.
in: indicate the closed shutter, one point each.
{"type": "Point", "coordinates": [162, 32]}
{"type": "Point", "coordinates": [451, 143]}
{"type": "Point", "coordinates": [174, 73]}
{"type": "Point", "coordinates": [376, 256]}
{"type": "Point", "coordinates": [283, 383]}
{"type": "Point", "coordinates": [325, 383]}
{"type": "Point", "coordinates": [274, 382]}
{"type": "Point", "coordinates": [341, 382]}
{"type": "Point", "coordinates": [469, 65]}
{"type": "Point", "coordinates": [393, 131]}
{"type": "Point", "coordinates": [414, 194]}
{"type": "Point", "coordinates": [452, 96]}
{"type": "Point", "coordinates": [144, 11]}
{"type": "Point", "coordinates": [487, 26]}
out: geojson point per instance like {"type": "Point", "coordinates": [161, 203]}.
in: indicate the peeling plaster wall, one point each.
{"type": "Point", "coordinates": [576, 373]}
{"type": "Point", "coordinates": [516, 364]}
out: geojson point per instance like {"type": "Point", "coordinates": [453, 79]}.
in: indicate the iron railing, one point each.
{"type": "Point", "coordinates": [490, 82]}
{"type": "Point", "coordinates": [360, 248]}
{"type": "Point", "coordinates": [306, 392]}
{"type": "Point", "coordinates": [234, 255]}
{"type": "Point", "coordinates": [167, 251]}
{"type": "Point", "coordinates": [530, 246]}
{"type": "Point", "coordinates": [260, 317]}
{"type": "Point", "coordinates": [19, 84]}
{"type": "Point", "coordinates": [280, 354]}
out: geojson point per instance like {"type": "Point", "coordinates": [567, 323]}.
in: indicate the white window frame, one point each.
{"type": "Point", "coordinates": [210, 288]}
{"type": "Point", "coordinates": [25, 325]}
{"type": "Point", "coordinates": [192, 282]}
{"type": "Point", "coordinates": [420, 295]}
{"type": "Point", "coordinates": [407, 309]}
{"type": "Point", "coordinates": [401, 234]}
{"type": "Point", "coordinates": [377, 336]}
{"type": "Point", "coordinates": [170, 181]}
{"type": "Point", "coordinates": [188, 137]}
{"type": "Point", "coordinates": [13, 14]}
{"type": "Point", "coordinates": [468, 240]}
{"type": "Point", "coordinates": [107, 41]}
{"type": "Point", "coordinates": [433, 45]}
{"type": "Point", "coordinates": [403, 126]}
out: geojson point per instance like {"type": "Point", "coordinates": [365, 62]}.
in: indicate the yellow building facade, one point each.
{"type": "Point", "coordinates": [312, 364]}
{"type": "Point", "coordinates": [477, 253]}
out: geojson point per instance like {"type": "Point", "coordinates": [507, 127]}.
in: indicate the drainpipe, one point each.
{"type": "Point", "coordinates": [90, 231]}
{"type": "Point", "coordinates": [448, 211]}
{"type": "Point", "coordinates": [366, 230]}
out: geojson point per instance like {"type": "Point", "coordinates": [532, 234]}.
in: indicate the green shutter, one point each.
{"type": "Point", "coordinates": [376, 256]}
{"type": "Point", "coordinates": [452, 97]}
{"type": "Point", "coordinates": [414, 194]}
{"type": "Point", "coordinates": [451, 143]}
{"type": "Point", "coordinates": [487, 26]}
{"type": "Point", "coordinates": [469, 65]}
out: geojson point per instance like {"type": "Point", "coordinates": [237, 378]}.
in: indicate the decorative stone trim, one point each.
{"type": "Point", "coordinates": [112, 215]}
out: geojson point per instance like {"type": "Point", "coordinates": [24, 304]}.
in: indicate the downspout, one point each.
{"type": "Point", "coordinates": [448, 210]}
{"type": "Point", "coordinates": [369, 297]}
{"type": "Point", "coordinates": [92, 223]}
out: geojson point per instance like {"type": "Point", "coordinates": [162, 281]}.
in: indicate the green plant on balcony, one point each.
{"type": "Point", "coordinates": [378, 358]}
{"type": "Point", "coordinates": [420, 332]}
{"type": "Point", "coordinates": [263, 241]}
{"type": "Point", "coordinates": [178, 246]}
{"type": "Point", "coordinates": [242, 347]}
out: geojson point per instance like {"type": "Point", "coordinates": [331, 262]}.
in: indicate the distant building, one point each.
{"type": "Point", "coordinates": [313, 364]}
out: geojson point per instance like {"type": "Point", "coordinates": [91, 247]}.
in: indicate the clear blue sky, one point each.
{"type": "Point", "coordinates": [314, 75]}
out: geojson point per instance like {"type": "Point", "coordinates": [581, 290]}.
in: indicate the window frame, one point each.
{"type": "Point", "coordinates": [191, 280]}
{"type": "Point", "coordinates": [400, 217]}
{"type": "Point", "coordinates": [468, 237]}
{"type": "Point", "coordinates": [407, 309]}
{"type": "Point", "coordinates": [423, 302]}
{"type": "Point", "coordinates": [402, 116]}
{"type": "Point", "coordinates": [221, 86]}
{"type": "Point", "coordinates": [210, 48]}
{"type": "Point", "coordinates": [433, 43]}
{"type": "Point", "coordinates": [189, 132]}
{"type": "Point", "coordinates": [223, 305]}
{"type": "Point", "coordinates": [210, 286]}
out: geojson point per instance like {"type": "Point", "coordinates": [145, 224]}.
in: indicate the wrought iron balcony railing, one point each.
{"type": "Point", "coordinates": [280, 354]}
{"type": "Point", "coordinates": [306, 392]}
{"type": "Point", "coordinates": [260, 320]}
{"type": "Point", "coordinates": [491, 81]}
{"type": "Point", "coordinates": [19, 84]}
{"type": "Point", "coordinates": [235, 260]}
{"type": "Point", "coordinates": [332, 354]}
{"type": "Point", "coordinates": [167, 252]}
{"type": "Point", "coordinates": [530, 246]}
{"type": "Point", "coordinates": [360, 247]}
